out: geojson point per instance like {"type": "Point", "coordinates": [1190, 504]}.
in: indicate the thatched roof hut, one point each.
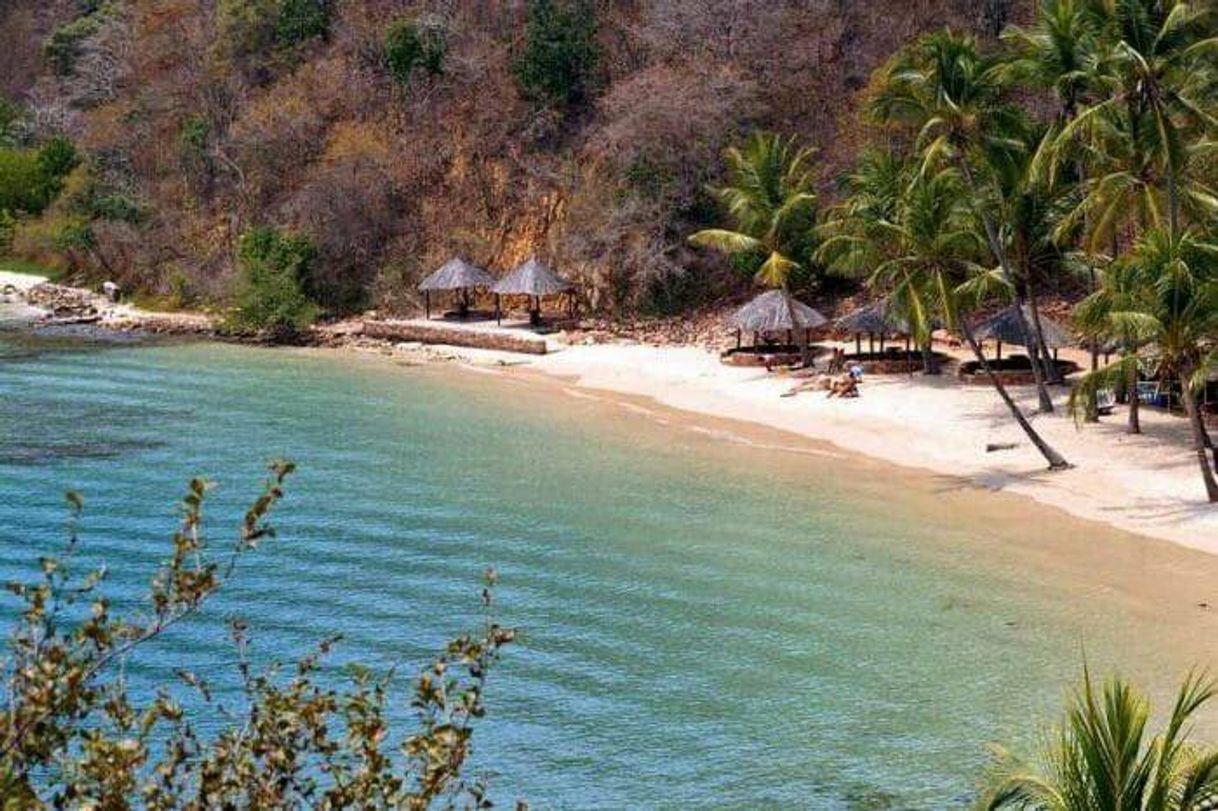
{"type": "Point", "coordinates": [532, 278]}
{"type": "Point", "coordinates": [457, 274]}
{"type": "Point", "coordinates": [877, 318]}
{"type": "Point", "coordinates": [1004, 326]}
{"type": "Point", "coordinates": [776, 311]}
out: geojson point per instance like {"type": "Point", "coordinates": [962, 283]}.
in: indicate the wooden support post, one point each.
{"type": "Point", "coordinates": [427, 303]}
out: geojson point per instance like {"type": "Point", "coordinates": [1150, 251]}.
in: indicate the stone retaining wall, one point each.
{"type": "Point", "coordinates": [454, 336]}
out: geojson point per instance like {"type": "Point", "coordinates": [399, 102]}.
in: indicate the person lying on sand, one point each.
{"type": "Point", "coordinates": [845, 386]}
{"type": "Point", "coordinates": [817, 383]}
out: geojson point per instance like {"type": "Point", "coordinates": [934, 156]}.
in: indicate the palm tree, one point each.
{"type": "Point", "coordinates": [1179, 276]}
{"type": "Point", "coordinates": [1101, 759]}
{"type": "Point", "coordinates": [1165, 293]}
{"type": "Point", "coordinates": [1057, 53]}
{"type": "Point", "coordinates": [956, 99]}
{"type": "Point", "coordinates": [1159, 76]}
{"type": "Point", "coordinates": [771, 201]}
{"type": "Point", "coordinates": [1118, 291]}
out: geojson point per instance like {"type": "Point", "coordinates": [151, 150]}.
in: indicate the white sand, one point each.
{"type": "Point", "coordinates": [21, 281]}
{"type": "Point", "coordinates": [1147, 484]}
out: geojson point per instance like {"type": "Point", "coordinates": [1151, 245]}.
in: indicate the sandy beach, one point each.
{"type": "Point", "coordinates": [1145, 484]}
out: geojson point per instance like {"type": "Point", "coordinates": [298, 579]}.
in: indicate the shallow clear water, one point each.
{"type": "Point", "coordinates": [706, 623]}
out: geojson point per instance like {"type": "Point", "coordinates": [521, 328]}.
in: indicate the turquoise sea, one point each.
{"type": "Point", "coordinates": [712, 617]}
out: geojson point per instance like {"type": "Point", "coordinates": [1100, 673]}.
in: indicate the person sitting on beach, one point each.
{"type": "Point", "coordinates": [838, 361]}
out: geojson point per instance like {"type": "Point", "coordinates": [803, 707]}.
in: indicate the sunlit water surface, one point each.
{"type": "Point", "coordinates": [705, 623]}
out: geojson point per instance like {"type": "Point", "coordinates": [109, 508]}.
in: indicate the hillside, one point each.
{"type": "Point", "coordinates": [395, 134]}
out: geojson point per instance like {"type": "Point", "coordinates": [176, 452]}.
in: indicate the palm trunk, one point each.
{"type": "Point", "coordinates": [1092, 413]}
{"type": "Point", "coordinates": [1199, 436]}
{"type": "Point", "coordinates": [1051, 372]}
{"type": "Point", "coordinates": [930, 364]}
{"type": "Point", "coordinates": [1135, 404]}
{"type": "Point", "coordinates": [991, 234]}
{"type": "Point", "coordinates": [1056, 460]}
{"type": "Point", "coordinates": [805, 348]}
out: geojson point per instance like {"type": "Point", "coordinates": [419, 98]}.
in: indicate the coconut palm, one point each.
{"type": "Point", "coordinates": [1118, 291]}
{"type": "Point", "coordinates": [1058, 52]}
{"type": "Point", "coordinates": [954, 97]}
{"type": "Point", "coordinates": [957, 100]}
{"type": "Point", "coordinates": [1179, 274]}
{"type": "Point", "coordinates": [1166, 293]}
{"type": "Point", "coordinates": [1102, 758]}
{"type": "Point", "coordinates": [1159, 76]}
{"type": "Point", "coordinates": [771, 200]}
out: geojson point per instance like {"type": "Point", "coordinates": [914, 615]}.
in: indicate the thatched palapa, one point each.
{"type": "Point", "coordinates": [878, 318]}
{"type": "Point", "coordinates": [457, 274]}
{"type": "Point", "coordinates": [1005, 327]}
{"type": "Point", "coordinates": [776, 311]}
{"type": "Point", "coordinates": [531, 279]}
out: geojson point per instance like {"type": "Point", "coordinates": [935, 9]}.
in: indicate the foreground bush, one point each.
{"type": "Point", "coordinates": [1102, 758]}
{"type": "Point", "coordinates": [71, 735]}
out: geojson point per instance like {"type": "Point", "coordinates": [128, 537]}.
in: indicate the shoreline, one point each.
{"type": "Point", "coordinates": [1147, 485]}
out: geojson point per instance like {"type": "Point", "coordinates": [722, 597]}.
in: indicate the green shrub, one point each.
{"type": "Point", "coordinates": [62, 48]}
{"type": "Point", "coordinates": [560, 55]}
{"type": "Point", "coordinates": [22, 185]}
{"type": "Point", "coordinates": [271, 296]}
{"type": "Point", "coordinates": [299, 21]}
{"type": "Point", "coordinates": [8, 229]}
{"type": "Point", "coordinates": [58, 157]}
{"type": "Point", "coordinates": [246, 28]}
{"type": "Point", "coordinates": [116, 207]}
{"type": "Point", "coordinates": [11, 116]}
{"type": "Point", "coordinates": [409, 46]}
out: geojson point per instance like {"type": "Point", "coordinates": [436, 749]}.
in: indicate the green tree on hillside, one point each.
{"type": "Point", "coordinates": [558, 58]}
{"type": "Point", "coordinates": [410, 45]}
{"type": "Point", "coordinates": [274, 268]}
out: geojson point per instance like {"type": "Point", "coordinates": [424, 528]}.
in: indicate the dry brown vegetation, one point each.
{"type": "Point", "coordinates": [390, 179]}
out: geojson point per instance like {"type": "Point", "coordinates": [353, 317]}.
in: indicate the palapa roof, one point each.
{"type": "Point", "coordinates": [1005, 326]}
{"type": "Point", "coordinates": [455, 274]}
{"type": "Point", "coordinates": [531, 279]}
{"type": "Point", "coordinates": [771, 312]}
{"type": "Point", "coordinates": [878, 318]}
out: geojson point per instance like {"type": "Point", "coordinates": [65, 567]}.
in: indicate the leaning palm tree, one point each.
{"type": "Point", "coordinates": [1102, 758]}
{"type": "Point", "coordinates": [954, 98]}
{"type": "Point", "coordinates": [771, 200]}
